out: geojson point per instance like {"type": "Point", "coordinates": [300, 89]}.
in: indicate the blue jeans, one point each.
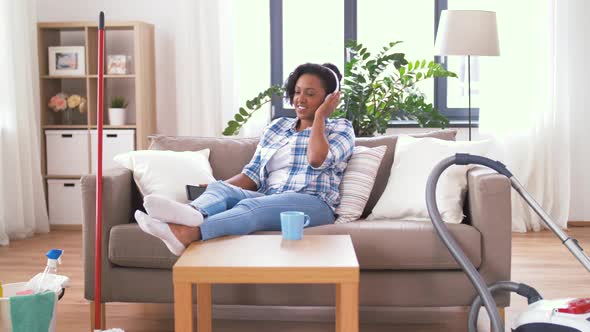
{"type": "Point", "coordinates": [230, 210]}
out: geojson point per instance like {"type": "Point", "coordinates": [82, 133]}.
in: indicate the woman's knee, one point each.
{"type": "Point", "coordinates": [248, 205]}
{"type": "Point", "coordinates": [217, 185]}
{"type": "Point", "coordinates": [223, 189]}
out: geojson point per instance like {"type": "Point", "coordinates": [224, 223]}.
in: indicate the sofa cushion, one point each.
{"type": "Point", "coordinates": [130, 246]}
{"type": "Point", "coordinates": [227, 157]}
{"type": "Point", "coordinates": [385, 167]}
{"type": "Point", "coordinates": [414, 161]}
{"type": "Point", "coordinates": [166, 173]}
{"type": "Point", "coordinates": [379, 245]}
{"type": "Point", "coordinates": [357, 182]}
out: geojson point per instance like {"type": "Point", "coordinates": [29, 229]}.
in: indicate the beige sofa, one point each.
{"type": "Point", "coordinates": [403, 263]}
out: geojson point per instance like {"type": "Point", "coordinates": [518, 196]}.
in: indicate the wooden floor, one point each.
{"type": "Point", "coordinates": [539, 259]}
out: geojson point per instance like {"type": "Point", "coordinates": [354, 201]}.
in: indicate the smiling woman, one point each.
{"type": "Point", "coordinates": [298, 165]}
{"type": "Point", "coordinates": [22, 202]}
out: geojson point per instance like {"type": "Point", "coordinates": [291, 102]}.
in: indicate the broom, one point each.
{"type": "Point", "coordinates": [98, 230]}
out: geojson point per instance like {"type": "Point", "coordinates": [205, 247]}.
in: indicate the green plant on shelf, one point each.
{"type": "Point", "coordinates": [118, 102]}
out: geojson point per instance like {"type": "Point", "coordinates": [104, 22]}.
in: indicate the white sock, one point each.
{"type": "Point", "coordinates": [169, 211]}
{"type": "Point", "coordinates": [161, 231]}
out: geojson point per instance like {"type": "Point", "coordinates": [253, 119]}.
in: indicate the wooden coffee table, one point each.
{"type": "Point", "coordinates": [265, 259]}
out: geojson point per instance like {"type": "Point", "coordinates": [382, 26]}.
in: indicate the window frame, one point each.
{"type": "Point", "coordinates": [458, 117]}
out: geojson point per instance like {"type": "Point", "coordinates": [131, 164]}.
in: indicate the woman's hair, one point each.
{"type": "Point", "coordinates": [325, 72]}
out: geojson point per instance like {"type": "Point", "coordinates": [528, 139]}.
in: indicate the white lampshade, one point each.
{"type": "Point", "coordinates": [467, 32]}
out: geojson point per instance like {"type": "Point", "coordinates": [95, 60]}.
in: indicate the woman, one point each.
{"type": "Point", "coordinates": [298, 165]}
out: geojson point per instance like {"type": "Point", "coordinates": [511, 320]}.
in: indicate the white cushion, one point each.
{"type": "Point", "coordinates": [167, 173]}
{"type": "Point", "coordinates": [357, 182]}
{"type": "Point", "coordinates": [404, 195]}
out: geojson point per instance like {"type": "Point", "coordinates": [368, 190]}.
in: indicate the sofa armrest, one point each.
{"type": "Point", "coordinates": [118, 198]}
{"type": "Point", "coordinates": [489, 211]}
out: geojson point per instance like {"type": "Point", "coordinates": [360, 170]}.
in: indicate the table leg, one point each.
{"type": "Point", "coordinates": [204, 315]}
{"type": "Point", "coordinates": [347, 312]}
{"type": "Point", "coordinates": [183, 307]}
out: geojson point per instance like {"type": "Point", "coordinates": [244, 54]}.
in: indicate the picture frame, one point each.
{"type": "Point", "coordinates": [118, 64]}
{"type": "Point", "coordinates": [67, 61]}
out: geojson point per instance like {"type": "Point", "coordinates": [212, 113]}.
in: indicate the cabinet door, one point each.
{"type": "Point", "coordinates": [65, 202]}
{"type": "Point", "coordinates": [114, 143]}
{"type": "Point", "coordinates": [67, 152]}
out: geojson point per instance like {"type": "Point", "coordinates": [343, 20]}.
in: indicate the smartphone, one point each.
{"type": "Point", "coordinates": [192, 191]}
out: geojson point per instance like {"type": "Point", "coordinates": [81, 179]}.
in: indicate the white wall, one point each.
{"type": "Point", "coordinates": [159, 13]}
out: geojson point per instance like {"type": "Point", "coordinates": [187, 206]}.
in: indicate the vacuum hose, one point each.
{"type": "Point", "coordinates": [521, 289]}
{"type": "Point", "coordinates": [485, 295]}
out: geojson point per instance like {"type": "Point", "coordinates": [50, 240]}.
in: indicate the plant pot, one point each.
{"type": "Point", "coordinates": [117, 116]}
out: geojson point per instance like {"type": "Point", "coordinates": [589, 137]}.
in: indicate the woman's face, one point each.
{"type": "Point", "coordinates": [309, 95]}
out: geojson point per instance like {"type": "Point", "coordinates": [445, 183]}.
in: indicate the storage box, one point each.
{"type": "Point", "coordinates": [65, 202]}
{"type": "Point", "coordinates": [114, 142]}
{"type": "Point", "coordinates": [67, 152]}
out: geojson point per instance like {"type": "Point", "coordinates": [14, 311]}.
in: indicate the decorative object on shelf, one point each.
{"type": "Point", "coordinates": [117, 108]}
{"type": "Point", "coordinates": [375, 90]}
{"type": "Point", "coordinates": [118, 64]}
{"type": "Point", "coordinates": [67, 61]}
{"type": "Point", "coordinates": [61, 102]}
{"type": "Point", "coordinates": [467, 33]}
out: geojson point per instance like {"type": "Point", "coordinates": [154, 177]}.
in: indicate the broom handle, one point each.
{"type": "Point", "coordinates": [98, 230]}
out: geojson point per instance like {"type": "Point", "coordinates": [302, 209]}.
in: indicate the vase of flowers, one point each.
{"type": "Point", "coordinates": [65, 104]}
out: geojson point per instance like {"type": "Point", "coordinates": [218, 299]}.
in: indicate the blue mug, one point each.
{"type": "Point", "coordinates": [292, 224]}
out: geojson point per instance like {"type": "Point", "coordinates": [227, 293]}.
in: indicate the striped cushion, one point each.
{"type": "Point", "coordinates": [358, 181]}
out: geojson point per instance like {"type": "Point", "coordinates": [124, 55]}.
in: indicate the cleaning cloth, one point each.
{"type": "Point", "coordinates": [32, 313]}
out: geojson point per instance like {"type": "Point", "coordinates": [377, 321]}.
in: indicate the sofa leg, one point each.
{"type": "Point", "coordinates": [103, 314]}
{"type": "Point", "coordinates": [502, 312]}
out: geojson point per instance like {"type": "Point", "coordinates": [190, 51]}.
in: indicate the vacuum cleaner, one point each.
{"type": "Point", "coordinates": [564, 315]}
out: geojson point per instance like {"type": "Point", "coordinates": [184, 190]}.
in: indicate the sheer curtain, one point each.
{"type": "Point", "coordinates": [22, 201]}
{"type": "Point", "coordinates": [525, 104]}
{"type": "Point", "coordinates": [206, 88]}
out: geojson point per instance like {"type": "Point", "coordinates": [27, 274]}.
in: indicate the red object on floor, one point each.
{"type": "Point", "coordinates": [98, 229]}
{"type": "Point", "coordinates": [577, 307]}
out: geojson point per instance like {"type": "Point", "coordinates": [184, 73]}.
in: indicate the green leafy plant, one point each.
{"type": "Point", "coordinates": [118, 102]}
{"type": "Point", "coordinates": [376, 89]}
{"type": "Point", "coordinates": [252, 105]}
{"type": "Point", "coordinates": [382, 87]}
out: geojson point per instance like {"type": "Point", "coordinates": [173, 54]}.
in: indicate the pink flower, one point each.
{"type": "Point", "coordinates": [60, 105]}
{"type": "Point", "coordinates": [58, 102]}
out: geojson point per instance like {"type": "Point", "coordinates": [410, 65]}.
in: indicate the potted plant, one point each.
{"type": "Point", "coordinates": [376, 89]}
{"type": "Point", "coordinates": [117, 108]}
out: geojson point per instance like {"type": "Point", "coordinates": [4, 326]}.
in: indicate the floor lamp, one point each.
{"type": "Point", "coordinates": [467, 33]}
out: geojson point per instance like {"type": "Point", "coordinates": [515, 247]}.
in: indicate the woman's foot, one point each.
{"type": "Point", "coordinates": [169, 211]}
{"type": "Point", "coordinates": [160, 230]}
{"type": "Point", "coordinates": [185, 234]}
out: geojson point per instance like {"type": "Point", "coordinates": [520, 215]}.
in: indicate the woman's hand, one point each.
{"type": "Point", "coordinates": [329, 105]}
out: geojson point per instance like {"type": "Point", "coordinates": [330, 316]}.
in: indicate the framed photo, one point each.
{"type": "Point", "coordinates": [117, 64]}
{"type": "Point", "coordinates": [67, 61]}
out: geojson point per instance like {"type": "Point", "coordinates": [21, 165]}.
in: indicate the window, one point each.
{"type": "Point", "coordinates": [295, 41]}
{"type": "Point", "coordinates": [251, 57]}
{"type": "Point", "coordinates": [398, 20]}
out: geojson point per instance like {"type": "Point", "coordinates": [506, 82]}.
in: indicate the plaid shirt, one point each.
{"type": "Point", "coordinates": [322, 181]}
